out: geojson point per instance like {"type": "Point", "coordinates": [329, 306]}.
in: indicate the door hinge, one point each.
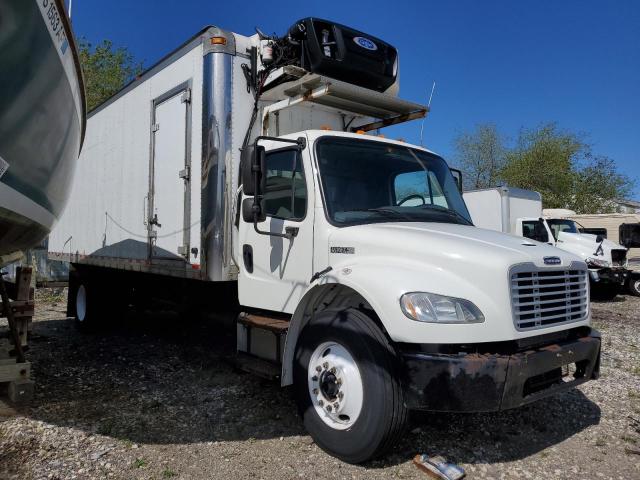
{"type": "Point", "coordinates": [186, 96]}
{"type": "Point", "coordinates": [155, 127]}
{"type": "Point", "coordinates": [186, 173]}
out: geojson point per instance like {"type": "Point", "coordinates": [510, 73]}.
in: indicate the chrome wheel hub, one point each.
{"type": "Point", "coordinates": [335, 385]}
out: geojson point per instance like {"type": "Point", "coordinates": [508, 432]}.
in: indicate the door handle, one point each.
{"type": "Point", "coordinates": [154, 221]}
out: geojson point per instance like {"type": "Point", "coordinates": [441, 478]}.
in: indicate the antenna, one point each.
{"type": "Point", "coordinates": [433, 88]}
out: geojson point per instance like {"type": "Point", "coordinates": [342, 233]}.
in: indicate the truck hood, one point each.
{"type": "Point", "coordinates": [585, 245]}
{"type": "Point", "coordinates": [446, 242]}
{"type": "Point", "coordinates": [386, 260]}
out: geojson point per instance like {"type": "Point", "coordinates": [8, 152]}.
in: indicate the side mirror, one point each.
{"type": "Point", "coordinates": [457, 176]}
{"type": "Point", "coordinates": [248, 211]}
{"type": "Point", "coordinates": [252, 161]}
{"type": "Point", "coordinates": [599, 238]}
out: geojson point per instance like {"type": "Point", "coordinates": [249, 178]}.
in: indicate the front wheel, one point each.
{"type": "Point", "coordinates": [347, 386]}
{"type": "Point", "coordinates": [633, 285]}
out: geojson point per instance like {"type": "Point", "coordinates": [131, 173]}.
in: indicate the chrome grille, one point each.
{"type": "Point", "coordinates": [544, 298]}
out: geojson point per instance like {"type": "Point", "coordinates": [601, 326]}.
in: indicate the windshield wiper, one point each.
{"type": "Point", "coordinates": [448, 211]}
{"type": "Point", "coordinates": [385, 211]}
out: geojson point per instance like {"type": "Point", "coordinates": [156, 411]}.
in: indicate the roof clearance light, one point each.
{"type": "Point", "coordinates": [218, 41]}
{"type": "Point", "coordinates": [325, 127]}
{"type": "Point", "coordinates": [360, 132]}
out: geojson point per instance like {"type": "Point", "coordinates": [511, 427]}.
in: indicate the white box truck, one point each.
{"type": "Point", "coordinates": [519, 212]}
{"type": "Point", "coordinates": [238, 173]}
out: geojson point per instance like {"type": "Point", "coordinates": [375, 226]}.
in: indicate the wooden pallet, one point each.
{"type": "Point", "coordinates": [15, 371]}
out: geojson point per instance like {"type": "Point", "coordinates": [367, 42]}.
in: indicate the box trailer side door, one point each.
{"type": "Point", "coordinates": [169, 187]}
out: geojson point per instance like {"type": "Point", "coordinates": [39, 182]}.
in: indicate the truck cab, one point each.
{"type": "Point", "coordinates": [393, 299]}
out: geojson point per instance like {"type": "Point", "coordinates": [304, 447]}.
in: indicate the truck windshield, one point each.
{"type": "Point", "coordinates": [561, 225]}
{"type": "Point", "coordinates": [365, 181]}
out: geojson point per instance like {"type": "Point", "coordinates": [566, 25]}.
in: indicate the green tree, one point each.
{"type": "Point", "coordinates": [106, 70]}
{"type": "Point", "coordinates": [597, 184]}
{"type": "Point", "coordinates": [560, 165]}
{"type": "Point", "coordinates": [481, 155]}
{"type": "Point", "coordinates": [542, 160]}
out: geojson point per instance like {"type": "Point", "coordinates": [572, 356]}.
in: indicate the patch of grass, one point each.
{"type": "Point", "coordinates": [139, 463]}
{"type": "Point", "coordinates": [633, 394]}
{"type": "Point", "coordinates": [600, 442]}
{"type": "Point", "coordinates": [544, 454]}
{"type": "Point", "coordinates": [50, 295]}
{"type": "Point", "coordinates": [636, 370]}
{"type": "Point", "coordinates": [168, 473]}
{"type": "Point", "coordinates": [127, 443]}
{"type": "Point", "coordinates": [629, 439]}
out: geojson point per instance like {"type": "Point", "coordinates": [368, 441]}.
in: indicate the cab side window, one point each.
{"type": "Point", "coordinates": [534, 229]}
{"type": "Point", "coordinates": [285, 194]}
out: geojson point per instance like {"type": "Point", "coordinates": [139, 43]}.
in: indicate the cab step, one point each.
{"type": "Point", "coordinates": [260, 343]}
{"type": "Point", "coordinates": [257, 366]}
{"type": "Point", "coordinates": [273, 324]}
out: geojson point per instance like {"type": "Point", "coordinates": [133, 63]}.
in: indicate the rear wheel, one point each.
{"type": "Point", "coordinates": [84, 303]}
{"type": "Point", "coordinates": [347, 386]}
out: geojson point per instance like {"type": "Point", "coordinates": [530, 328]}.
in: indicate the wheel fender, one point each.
{"type": "Point", "coordinates": [327, 291]}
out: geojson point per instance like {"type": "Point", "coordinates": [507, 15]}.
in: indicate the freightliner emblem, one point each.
{"type": "Point", "coordinates": [552, 261]}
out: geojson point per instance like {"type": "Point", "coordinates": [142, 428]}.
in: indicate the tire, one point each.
{"type": "Point", "coordinates": [351, 343]}
{"type": "Point", "coordinates": [86, 306]}
{"type": "Point", "coordinates": [633, 285]}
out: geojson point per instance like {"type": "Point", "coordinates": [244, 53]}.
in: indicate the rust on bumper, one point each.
{"type": "Point", "coordinates": [473, 382]}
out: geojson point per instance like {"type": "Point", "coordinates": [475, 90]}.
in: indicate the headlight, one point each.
{"type": "Point", "coordinates": [429, 307]}
{"type": "Point", "coordinates": [596, 262]}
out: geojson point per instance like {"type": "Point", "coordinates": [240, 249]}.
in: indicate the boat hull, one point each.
{"type": "Point", "coordinates": [42, 119]}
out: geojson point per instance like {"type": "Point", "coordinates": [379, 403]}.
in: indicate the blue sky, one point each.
{"type": "Point", "coordinates": [513, 63]}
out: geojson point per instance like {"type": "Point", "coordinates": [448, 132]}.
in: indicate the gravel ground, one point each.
{"type": "Point", "coordinates": [155, 398]}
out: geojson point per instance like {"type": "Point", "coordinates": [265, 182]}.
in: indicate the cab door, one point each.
{"type": "Point", "coordinates": [275, 271]}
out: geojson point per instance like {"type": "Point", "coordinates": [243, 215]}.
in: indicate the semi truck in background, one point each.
{"type": "Point", "coordinates": [620, 228]}
{"type": "Point", "coordinates": [519, 212]}
{"type": "Point", "coordinates": [241, 173]}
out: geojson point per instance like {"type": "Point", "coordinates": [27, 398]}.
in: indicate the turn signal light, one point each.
{"type": "Point", "coordinates": [218, 40]}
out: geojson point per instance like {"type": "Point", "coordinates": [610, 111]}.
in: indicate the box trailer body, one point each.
{"type": "Point", "coordinates": [519, 212]}
{"type": "Point", "coordinates": [120, 202]}
{"type": "Point", "coordinates": [241, 172]}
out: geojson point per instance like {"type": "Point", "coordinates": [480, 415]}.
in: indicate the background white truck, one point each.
{"type": "Point", "coordinates": [519, 212]}
{"type": "Point", "coordinates": [236, 174]}
{"type": "Point", "coordinates": [620, 228]}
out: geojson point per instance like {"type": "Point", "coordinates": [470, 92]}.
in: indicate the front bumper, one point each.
{"type": "Point", "coordinates": [609, 275]}
{"type": "Point", "coordinates": [474, 382]}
